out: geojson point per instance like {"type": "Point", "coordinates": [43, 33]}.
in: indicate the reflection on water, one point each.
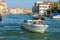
{"type": "Point", "coordinates": [10, 29]}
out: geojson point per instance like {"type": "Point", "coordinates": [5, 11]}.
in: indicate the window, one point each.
{"type": "Point", "coordinates": [41, 23]}
{"type": "Point", "coordinates": [49, 6]}
{"type": "Point", "coordinates": [44, 9]}
{"type": "Point", "coordinates": [43, 6]}
{"type": "Point", "coordinates": [34, 22]}
{"type": "Point", "coordinates": [38, 10]}
{"type": "Point", "coordinates": [29, 21]}
{"type": "Point", "coordinates": [40, 6]}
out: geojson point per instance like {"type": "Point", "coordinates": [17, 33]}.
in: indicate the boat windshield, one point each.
{"type": "Point", "coordinates": [29, 22]}
{"type": "Point", "coordinates": [25, 21]}
{"type": "Point", "coordinates": [38, 22]}
{"type": "Point", "coordinates": [41, 23]}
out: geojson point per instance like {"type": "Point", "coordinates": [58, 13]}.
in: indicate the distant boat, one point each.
{"type": "Point", "coordinates": [35, 25]}
{"type": "Point", "coordinates": [56, 16]}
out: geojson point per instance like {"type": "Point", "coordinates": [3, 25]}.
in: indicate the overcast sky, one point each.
{"type": "Point", "coordinates": [22, 3]}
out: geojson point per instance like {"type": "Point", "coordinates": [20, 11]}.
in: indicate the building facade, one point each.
{"type": "Point", "coordinates": [41, 7]}
{"type": "Point", "coordinates": [12, 11]}
{"type": "Point", "coordinates": [3, 7]}
{"type": "Point", "coordinates": [59, 4]}
{"type": "Point", "coordinates": [27, 11]}
{"type": "Point", "coordinates": [19, 11]}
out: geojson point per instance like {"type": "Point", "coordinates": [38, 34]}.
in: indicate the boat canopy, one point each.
{"type": "Point", "coordinates": [56, 13]}
{"type": "Point", "coordinates": [41, 18]}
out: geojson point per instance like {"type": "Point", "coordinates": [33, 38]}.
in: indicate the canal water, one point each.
{"type": "Point", "coordinates": [10, 29]}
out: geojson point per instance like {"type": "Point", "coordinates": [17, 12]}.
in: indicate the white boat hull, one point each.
{"type": "Point", "coordinates": [35, 28]}
{"type": "Point", "coordinates": [56, 17]}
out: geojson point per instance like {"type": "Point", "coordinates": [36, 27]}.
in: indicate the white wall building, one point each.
{"type": "Point", "coordinates": [3, 7]}
{"type": "Point", "coordinates": [41, 7]}
{"type": "Point", "coordinates": [21, 10]}
{"type": "Point", "coordinates": [12, 11]}
{"type": "Point", "coordinates": [59, 4]}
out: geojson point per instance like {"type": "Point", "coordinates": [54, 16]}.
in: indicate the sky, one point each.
{"type": "Point", "coordinates": [22, 3]}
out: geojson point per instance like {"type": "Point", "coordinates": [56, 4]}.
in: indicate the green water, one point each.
{"type": "Point", "coordinates": [10, 29]}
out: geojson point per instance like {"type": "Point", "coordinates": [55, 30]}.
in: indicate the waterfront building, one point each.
{"type": "Point", "coordinates": [12, 11]}
{"type": "Point", "coordinates": [21, 10]}
{"type": "Point", "coordinates": [3, 7]}
{"type": "Point", "coordinates": [27, 11]}
{"type": "Point", "coordinates": [41, 7]}
{"type": "Point", "coordinates": [8, 11]}
{"type": "Point", "coordinates": [59, 4]}
{"type": "Point", "coordinates": [17, 10]}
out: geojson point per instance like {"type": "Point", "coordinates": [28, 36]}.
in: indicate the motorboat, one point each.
{"type": "Point", "coordinates": [56, 17]}
{"type": "Point", "coordinates": [35, 25]}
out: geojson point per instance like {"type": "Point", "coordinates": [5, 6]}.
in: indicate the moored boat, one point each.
{"type": "Point", "coordinates": [35, 25]}
{"type": "Point", "coordinates": [56, 16]}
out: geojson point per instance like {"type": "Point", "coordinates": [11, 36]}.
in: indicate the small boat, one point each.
{"type": "Point", "coordinates": [35, 25]}
{"type": "Point", "coordinates": [56, 16]}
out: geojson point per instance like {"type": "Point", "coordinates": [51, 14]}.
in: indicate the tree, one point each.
{"type": "Point", "coordinates": [54, 6]}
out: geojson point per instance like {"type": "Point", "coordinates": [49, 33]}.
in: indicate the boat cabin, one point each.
{"type": "Point", "coordinates": [37, 22]}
